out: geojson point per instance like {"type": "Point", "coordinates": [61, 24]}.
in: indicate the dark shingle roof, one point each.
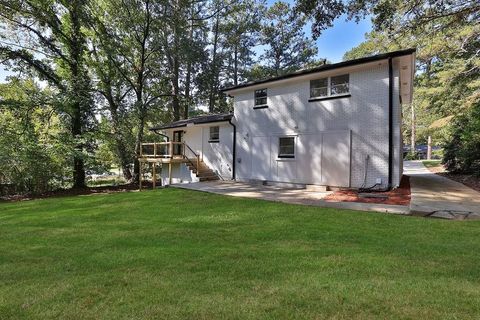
{"type": "Point", "coordinates": [326, 67]}
{"type": "Point", "coordinates": [196, 120]}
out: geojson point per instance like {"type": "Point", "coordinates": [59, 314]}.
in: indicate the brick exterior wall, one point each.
{"type": "Point", "coordinates": [364, 114]}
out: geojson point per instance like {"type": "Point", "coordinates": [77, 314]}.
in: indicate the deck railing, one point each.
{"type": "Point", "coordinates": [170, 149]}
{"type": "Point", "coordinates": [162, 149]}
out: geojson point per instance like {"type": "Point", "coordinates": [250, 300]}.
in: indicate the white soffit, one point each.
{"type": "Point", "coordinates": [406, 65]}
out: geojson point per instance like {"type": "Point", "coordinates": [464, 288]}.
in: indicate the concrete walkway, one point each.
{"type": "Point", "coordinates": [437, 196]}
{"type": "Point", "coordinates": [295, 196]}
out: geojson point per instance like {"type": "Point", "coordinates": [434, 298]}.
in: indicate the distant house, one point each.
{"type": "Point", "coordinates": [333, 125]}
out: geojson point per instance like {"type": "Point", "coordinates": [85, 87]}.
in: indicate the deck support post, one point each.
{"type": "Point", "coordinates": [140, 175]}
{"type": "Point", "coordinates": [154, 175]}
{"type": "Point", "coordinates": [170, 172]}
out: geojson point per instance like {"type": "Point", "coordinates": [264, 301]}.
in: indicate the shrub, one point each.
{"type": "Point", "coordinates": [462, 152]}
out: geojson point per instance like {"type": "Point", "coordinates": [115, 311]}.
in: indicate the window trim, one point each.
{"type": "Point", "coordinates": [329, 89]}
{"type": "Point", "coordinates": [289, 155]}
{"type": "Point", "coordinates": [260, 106]}
{"type": "Point", "coordinates": [210, 140]}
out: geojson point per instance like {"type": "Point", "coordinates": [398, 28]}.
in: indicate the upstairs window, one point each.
{"type": "Point", "coordinates": [339, 85]}
{"type": "Point", "coordinates": [319, 88]}
{"type": "Point", "coordinates": [286, 147]}
{"type": "Point", "coordinates": [214, 134]}
{"type": "Point", "coordinates": [331, 86]}
{"type": "Point", "coordinates": [261, 97]}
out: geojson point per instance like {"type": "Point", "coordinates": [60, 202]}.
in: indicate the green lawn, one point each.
{"type": "Point", "coordinates": [177, 254]}
{"type": "Point", "coordinates": [432, 163]}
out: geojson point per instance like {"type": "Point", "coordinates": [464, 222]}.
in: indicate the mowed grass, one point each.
{"type": "Point", "coordinates": [432, 163]}
{"type": "Point", "coordinates": [177, 254]}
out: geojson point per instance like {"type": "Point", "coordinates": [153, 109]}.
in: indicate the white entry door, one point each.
{"type": "Point", "coordinates": [336, 158]}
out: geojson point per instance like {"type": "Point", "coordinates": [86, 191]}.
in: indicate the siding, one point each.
{"type": "Point", "coordinates": [218, 156]}
{"type": "Point", "coordinates": [364, 115]}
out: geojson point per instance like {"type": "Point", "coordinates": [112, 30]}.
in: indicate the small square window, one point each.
{"type": "Point", "coordinates": [286, 147]}
{"type": "Point", "coordinates": [261, 97]}
{"type": "Point", "coordinates": [214, 134]}
{"type": "Point", "coordinates": [319, 88]}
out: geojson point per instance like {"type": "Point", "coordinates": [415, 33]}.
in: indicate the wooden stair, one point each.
{"type": "Point", "coordinates": [204, 173]}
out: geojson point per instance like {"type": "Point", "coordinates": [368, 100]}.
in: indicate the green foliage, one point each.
{"type": "Point", "coordinates": [35, 149]}
{"type": "Point", "coordinates": [462, 152]}
{"type": "Point", "coordinates": [447, 83]}
{"type": "Point", "coordinates": [288, 49]}
{"type": "Point", "coordinates": [412, 156]}
{"type": "Point", "coordinates": [50, 42]}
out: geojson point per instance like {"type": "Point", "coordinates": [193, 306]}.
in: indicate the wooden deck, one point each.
{"type": "Point", "coordinates": [166, 152]}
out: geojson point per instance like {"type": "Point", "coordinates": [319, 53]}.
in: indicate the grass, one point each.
{"type": "Point", "coordinates": [432, 163]}
{"type": "Point", "coordinates": [177, 254]}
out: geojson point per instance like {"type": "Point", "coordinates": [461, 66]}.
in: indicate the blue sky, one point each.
{"type": "Point", "coordinates": [343, 36]}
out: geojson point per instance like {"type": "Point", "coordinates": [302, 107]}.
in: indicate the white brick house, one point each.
{"type": "Point", "coordinates": [334, 125]}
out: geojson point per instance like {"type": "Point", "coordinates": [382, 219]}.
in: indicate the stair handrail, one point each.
{"type": "Point", "coordinates": [197, 167]}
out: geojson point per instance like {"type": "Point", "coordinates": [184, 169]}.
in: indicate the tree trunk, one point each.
{"type": "Point", "coordinates": [175, 88]}
{"type": "Point", "coordinates": [78, 85]}
{"type": "Point", "coordinates": [214, 75]}
{"type": "Point", "coordinates": [120, 146]}
{"type": "Point", "coordinates": [139, 85]}
{"type": "Point", "coordinates": [138, 142]}
{"type": "Point", "coordinates": [429, 148]}
{"type": "Point", "coordinates": [235, 65]}
{"type": "Point", "coordinates": [78, 163]}
{"type": "Point", "coordinates": [187, 90]}
{"type": "Point", "coordinates": [413, 129]}
{"type": "Point", "coordinates": [188, 77]}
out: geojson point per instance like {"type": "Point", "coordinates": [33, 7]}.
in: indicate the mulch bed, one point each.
{"type": "Point", "coordinates": [75, 192]}
{"type": "Point", "coordinates": [399, 196]}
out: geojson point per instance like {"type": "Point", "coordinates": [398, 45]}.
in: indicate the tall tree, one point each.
{"type": "Point", "coordinates": [133, 47]}
{"type": "Point", "coordinates": [35, 144]}
{"type": "Point", "coordinates": [49, 39]}
{"type": "Point", "coordinates": [288, 49]}
{"type": "Point", "coordinates": [242, 34]}
{"type": "Point", "coordinates": [447, 38]}
{"type": "Point", "coordinates": [113, 92]}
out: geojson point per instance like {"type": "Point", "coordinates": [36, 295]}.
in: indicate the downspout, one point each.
{"type": "Point", "coordinates": [163, 135]}
{"type": "Point", "coordinates": [390, 123]}
{"type": "Point", "coordinates": [234, 147]}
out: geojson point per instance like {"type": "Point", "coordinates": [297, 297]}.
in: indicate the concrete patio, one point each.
{"type": "Point", "coordinates": [287, 195]}
{"type": "Point", "coordinates": [431, 195]}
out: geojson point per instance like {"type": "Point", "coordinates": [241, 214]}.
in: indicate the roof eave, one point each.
{"type": "Point", "coordinates": [327, 67]}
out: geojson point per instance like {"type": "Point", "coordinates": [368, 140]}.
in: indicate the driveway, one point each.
{"type": "Point", "coordinates": [437, 196]}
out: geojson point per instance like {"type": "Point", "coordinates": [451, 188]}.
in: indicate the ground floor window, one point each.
{"type": "Point", "coordinates": [286, 147]}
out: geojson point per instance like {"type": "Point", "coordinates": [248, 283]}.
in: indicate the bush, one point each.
{"type": "Point", "coordinates": [462, 152]}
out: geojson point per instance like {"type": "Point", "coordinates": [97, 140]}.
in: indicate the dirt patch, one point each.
{"type": "Point", "coordinates": [399, 196]}
{"type": "Point", "coordinates": [436, 169]}
{"type": "Point", "coordinates": [75, 192]}
{"type": "Point", "coordinates": [469, 180]}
